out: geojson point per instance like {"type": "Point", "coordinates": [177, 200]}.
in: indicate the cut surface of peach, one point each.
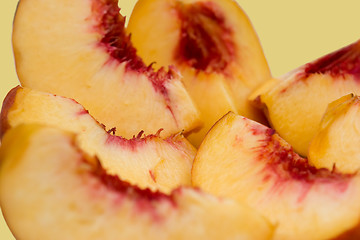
{"type": "Point", "coordinates": [336, 143]}
{"type": "Point", "coordinates": [148, 161]}
{"type": "Point", "coordinates": [49, 189]}
{"type": "Point", "coordinates": [296, 104]}
{"type": "Point", "coordinates": [246, 161]}
{"type": "Point", "coordinates": [79, 49]}
{"type": "Point", "coordinates": [212, 43]}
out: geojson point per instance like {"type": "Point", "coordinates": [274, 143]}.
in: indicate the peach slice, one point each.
{"type": "Point", "coordinates": [335, 144]}
{"type": "Point", "coordinates": [79, 49]}
{"type": "Point", "coordinates": [147, 161]}
{"type": "Point", "coordinates": [49, 189]}
{"type": "Point", "coordinates": [212, 43]}
{"type": "Point", "coordinates": [246, 161]}
{"type": "Point", "coordinates": [296, 104]}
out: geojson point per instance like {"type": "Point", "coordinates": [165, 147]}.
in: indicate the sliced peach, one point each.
{"type": "Point", "coordinates": [212, 43]}
{"type": "Point", "coordinates": [246, 161]}
{"type": "Point", "coordinates": [336, 143]}
{"type": "Point", "coordinates": [148, 161]}
{"type": "Point", "coordinates": [79, 49]}
{"type": "Point", "coordinates": [296, 104]}
{"type": "Point", "coordinates": [49, 189]}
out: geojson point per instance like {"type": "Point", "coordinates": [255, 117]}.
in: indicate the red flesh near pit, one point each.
{"type": "Point", "coordinates": [345, 61]}
{"type": "Point", "coordinates": [137, 194]}
{"type": "Point", "coordinates": [289, 165]}
{"type": "Point", "coordinates": [205, 39]}
{"type": "Point", "coordinates": [145, 200]}
{"type": "Point", "coordinates": [132, 143]}
{"type": "Point", "coordinates": [283, 165]}
{"type": "Point", "coordinates": [117, 43]}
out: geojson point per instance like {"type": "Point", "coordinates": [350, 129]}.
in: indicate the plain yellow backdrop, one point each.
{"type": "Point", "coordinates": [291, 32]}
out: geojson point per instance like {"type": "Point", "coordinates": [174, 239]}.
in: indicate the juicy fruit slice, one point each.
{"type": "Point", "coordinates": [255, 96]}
{"type": "Point", "coordinates": [297, 103]}
{"type": "Point", "coordinates": [147, 161]}
{"type": "Point", "coordinates": [336, 143]}
{"type": "Point", "coordinates": [51, 190]}
{"type": "Point", "coordinates": [249, 162]}
{"type": "Point", "coordinates": [81, 51]}
{"type": "Point", "coordinates": [214, 46]}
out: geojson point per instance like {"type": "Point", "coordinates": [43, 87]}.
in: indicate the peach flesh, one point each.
{"type": "Point", "coordinates": [112, 26]}
{"type": "Point", "coordinates": [206, 42]}
{"type": "Point", "coordinates": [8, 102]}
{"type": "Point", "coordinates": [132, 143]}
{"type": "Point", "coordinates": [144, 198]}
{"type": "Point", "coordinates": [283, 165]}
{"type": "Point", "coordinates": [137, 141]}
{"type": "Point", "coordinates": [116, 42]}
{"type": "Point", "coordinates": [337, 64]}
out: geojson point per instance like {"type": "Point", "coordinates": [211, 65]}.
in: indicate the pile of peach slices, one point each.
{"type": "Point", "coordinates": [172, 127]}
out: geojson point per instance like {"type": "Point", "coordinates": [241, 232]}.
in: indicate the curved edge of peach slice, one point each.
{"type": "Point", "coordinates": [82, 52]}
{"type": "Point", "coordinates": [296, 104]}
{"type": "Point", "coordinates": [249, 162]}
{"type": "Point", "coordinates": [334, 145]}
{"type": "Point", "coordinates": [214, 46]}
{"type": "Point", "coordinates": [50, 189]}
{"type": "Point", "coordinates": [168, 161]}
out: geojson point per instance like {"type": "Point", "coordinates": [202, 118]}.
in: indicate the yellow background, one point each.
{"type": "Point", "coordinates": [291, 32]}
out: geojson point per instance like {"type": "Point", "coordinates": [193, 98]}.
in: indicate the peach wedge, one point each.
{"type": "Point", "coordinates": [248, 162]}
{"type": "Point", "coordinates": [79, 49]}
{"type": "Point", "coordinates": [49, 189]}
{"type": "Point", "coordinates": [296, 104]}
{"type": "Point", "coordinates": [212, 43]}
{"type": "Point", "coordinates": [336, 142]}
{"type": "Point", "coordinates": [147, 161]}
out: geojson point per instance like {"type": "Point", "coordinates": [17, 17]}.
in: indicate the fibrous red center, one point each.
{"type": "Point", "coordinates": [206, 41]}
{"type": "Point", "coordinates": [111, 25]}
{"type": "Point", "coordinates": [114, 183]}
{"type": "Point", "coordinates": [117, 43]}
{"type": "Point", "coordinates": [131, 144]}
{"type": "Point", "coordinates": [338, 64]}
{"type": "Point", "coordinates": [288, 165]}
